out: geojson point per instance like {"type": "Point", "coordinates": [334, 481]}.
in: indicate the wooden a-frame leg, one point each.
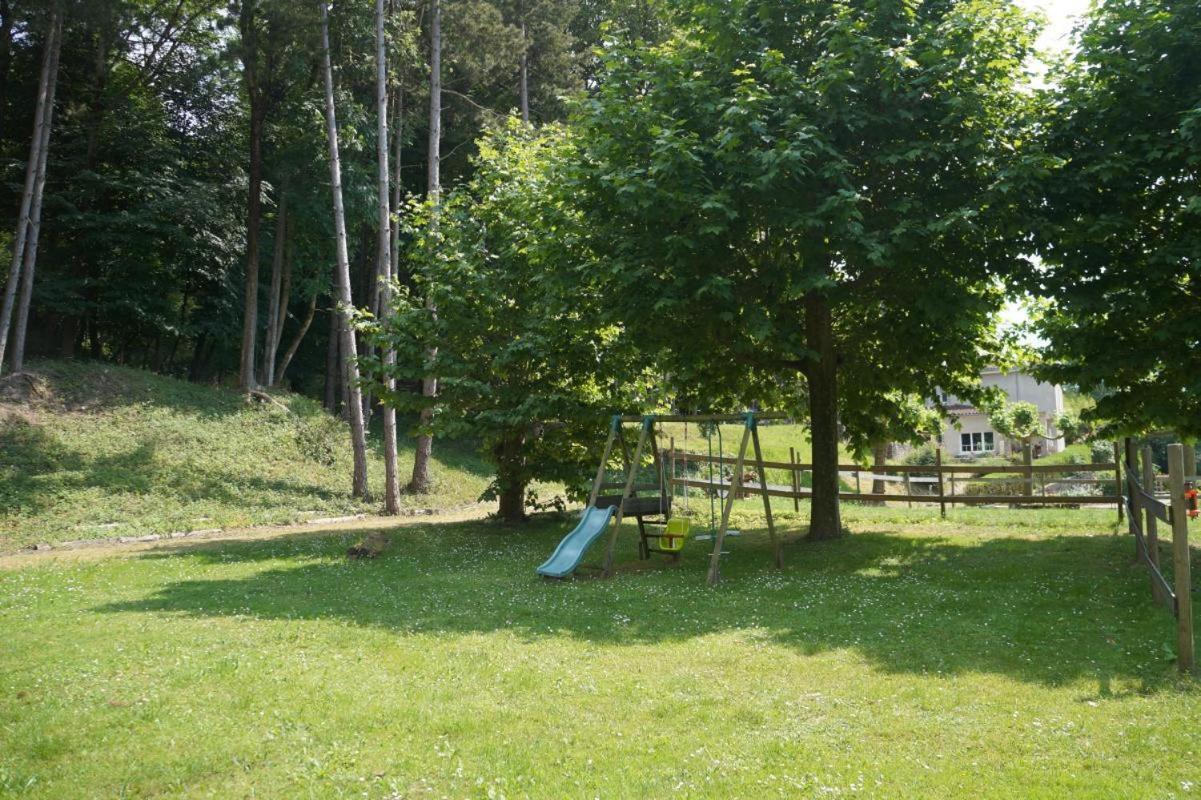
{"type": "Point", "coordinates": [777, 553]}
{"type": "Point", "coordinates": [631, 474]}
{"type": "Point", "coordinates": [600, 471]}
{"type": "Point", "coordinates": [735, 487]}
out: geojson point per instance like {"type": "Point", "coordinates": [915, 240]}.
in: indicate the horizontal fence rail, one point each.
{"type": "Point", "coordinates": [941, 478]}
{"type": "Point", "coordinates": [776, 490]}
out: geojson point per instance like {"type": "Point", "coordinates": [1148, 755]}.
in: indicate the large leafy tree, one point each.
{"type": "Point", "coordinates": [812, 187]}
{"type": "Point", "coordinates": [528, 372]}
{"type": "Point", "coordinates": [1121, 225]}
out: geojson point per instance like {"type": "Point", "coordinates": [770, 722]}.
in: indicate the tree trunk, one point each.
{"type": "Point", "coordinates": [30, 256]}
{"type": "Point", "coordinates": [397, 149]}
{"type": "Point", "coordinates": [198, 355]}
{"type": "Point", "coordinates": [879, 461]}
{"type": "Point", "coordinates": [384, 257]}
{"type": "Point", "coordinates": [285, 297]}
{"type": "Point", "coordinates": [420, 482]}
{"type": "Point", "coordinates": [367, 271]}
{"type": "Point", "coordinates": [277, 301]}
{"type": "Point", "coordinates": [332, 373]}
{"type": "Point", "coordinates": [40, 131]}
{"type": "Point", "coordinates": [355, 406]}
{"type": "Point", "coordinates": [511, 486]}
{"type": "Point", "coordinates": [95, 344]}
{"type": "Point", "coordinates": [292, 348]}
{"type": "Point", "coordinates": [254, 198]}
{"type": "Point", "coordinates": [511, 507]}
{"type": "Point", "coordinates": [825, 521]}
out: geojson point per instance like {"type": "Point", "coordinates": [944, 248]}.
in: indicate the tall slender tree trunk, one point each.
{"type": "Point", "coordinates": [277, 301]}
{"type": "Point", "coordinates": [397, 149]}
{"type": "Point", "coordinates": [30, 256]}
{"type": "Point", "coordinates": [199, 353]}
{"type": "Point", "coordinates": [305, 324]}
{"type": "Point", "coordinates": [254, 199]}
{"type": "Point", "coordinates": [825, 520]}
{"type": "Point", "coordinates": [332, 375]}
{"type": "Point", "coordinates": [38, 141]}
{"type": "Point", "coordinates": [420, 482]}
{"type": "Point", "coordinates": [384, 257]}
{"type": "Point", "coordinates": [285, 299]}
{"type": "Point", "coordinates": [355, 406]}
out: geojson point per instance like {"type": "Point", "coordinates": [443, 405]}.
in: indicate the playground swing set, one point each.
{"type": "Point", "coordinates": [650, 502]}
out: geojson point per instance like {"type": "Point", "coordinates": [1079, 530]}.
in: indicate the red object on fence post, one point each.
{"type": "Point", "coordinates": [1182, 578]}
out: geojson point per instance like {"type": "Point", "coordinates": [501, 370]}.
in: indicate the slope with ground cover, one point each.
{"type": "Point", "coordinates": [996, 654]}
{"type": "Point", "coordinates": [90, 451]}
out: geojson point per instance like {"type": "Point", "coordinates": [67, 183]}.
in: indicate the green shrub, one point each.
{"type": "Point", "coordinates": [1100, 452]}
{"type": "Point", "coordinates": [924, 456]}
{"type": "Point", "coordinates": [318, 436]}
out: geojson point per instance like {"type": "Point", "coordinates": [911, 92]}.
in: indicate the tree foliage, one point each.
{"type": "Point", "coordinates": [145, 224]}
{"type": "Point", "coordinates": [1018, 421]}
{"type": "Point", "coordinates": [1119, 220]}
{"type": "Point", "coordinates": [529, 372]}
{"type": "Point", "coordinates": [813, 187]}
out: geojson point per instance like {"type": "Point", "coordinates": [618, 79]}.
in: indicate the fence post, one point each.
{"type": "Point", "coordinates": [1183, 581]}
{"type": "Point", "coordinates": [1134, 502]}
{"type": "Point", "coordinates": [942, 503]}
{"type": "Point", "coordinates": [1150, 521]}
{"type": "Point", "coordinates": [795, 480]}
{"type": "Point", "coordinates": [1117, 479]}
{"type": "Point", "coordinates": [1028, 462]}
{"type": "Point", "coordinates": [908, 490]}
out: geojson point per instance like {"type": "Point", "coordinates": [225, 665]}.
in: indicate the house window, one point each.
{"type": "Point", "coordinates": [976, 442]}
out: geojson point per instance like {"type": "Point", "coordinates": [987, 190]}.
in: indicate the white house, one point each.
{"type": "Point", "coordinates": [971, 435]}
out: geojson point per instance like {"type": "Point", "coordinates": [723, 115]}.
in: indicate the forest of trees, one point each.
{"type": "Point", "coordinates": [503, 218]}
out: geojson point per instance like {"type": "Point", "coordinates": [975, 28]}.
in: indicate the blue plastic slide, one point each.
{"type": "Point", "coordinates": [570, 552]}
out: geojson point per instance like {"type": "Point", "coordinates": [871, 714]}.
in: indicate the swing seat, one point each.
{"type": "Point", "coordinates": [675, 534]}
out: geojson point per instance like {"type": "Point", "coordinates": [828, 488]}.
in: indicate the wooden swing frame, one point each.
{"type": "Point", "coordinates": [750, 438]}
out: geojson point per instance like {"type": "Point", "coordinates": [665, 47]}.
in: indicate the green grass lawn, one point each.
{"type": "Point", "coordinates": [995, 654]}
{"type": "Point", "coordinates": [101, 451]}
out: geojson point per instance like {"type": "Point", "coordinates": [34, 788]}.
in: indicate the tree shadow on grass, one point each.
{"type": "Point", "coordinates": [1046, 611]}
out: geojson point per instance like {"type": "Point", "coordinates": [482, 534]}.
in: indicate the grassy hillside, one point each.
{"type": "Point", "coordinates": [89, 451]}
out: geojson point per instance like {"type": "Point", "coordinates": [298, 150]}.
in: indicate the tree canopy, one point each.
{"type": "Point", "coordinates": [816, 187]}
{"type": "Point", "coordinates": [531, 374]}
{"type": "Point", "coordinates": [1118, 216]}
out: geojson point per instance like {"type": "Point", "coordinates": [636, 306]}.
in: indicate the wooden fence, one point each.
{"type": "Point", "coordinates": [1145, 509]}
{"type": "Point", "coordinates": [939, 481]}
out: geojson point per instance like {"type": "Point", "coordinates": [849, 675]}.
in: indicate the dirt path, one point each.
{"type": "Point", "coordinates": [107, 548]}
